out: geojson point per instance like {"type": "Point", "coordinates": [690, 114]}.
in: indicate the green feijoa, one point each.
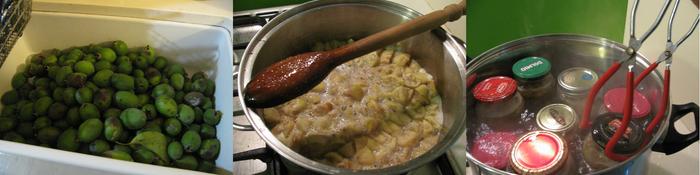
{"type": "Point", "coordinates": [153, 76]}
{"type": "Point", "coordinates": [122, 59]}
{"type": "Point", "coordinates": [90, 58]}
{"type": "Point", "coordinates": [61, 124]}
{"type": "Point", "coordinates": [194, 98]}
{"type": "Point", "coordinates": [150, 111]}
{"type": "Point", "coordinates": [166, 106]}
{"type": "Point", "coordinates": [207, 103]}
{"type": "Point", "coordinates": [57, 111]}
{"type": "Point", "coordinates": [49, 60]}
{"type": "Point", "coordinates": [210, 149]}
{"type": "Point", "coordinates": [90, 130]}
{"type": "Point", "coordinates": [37, 93]}
{"type": "Point", "coordinates": [69, 96]}
{"type": "Point", "coordinates": [177, 81]}
{"type": "Point", "coordinates": [210, 88]}
{"type": "Point", "coordinates": [58, 94]}
{"type": "Point", "coordinates": [179, 96]}
{"type": "Point", "coordinates": [120, 47]}
{"type": "Point", "coordinates": [207, 131]}
{"type": "Point", "coordinates": [42, 82]}
{"type": "Point", "coordinates": [52, 71]}
{"type": "Point", "coordinates": [141, 84]}
{"type": "Point", "coordinates": [26, 112]}
{"type": "Point", "coordinates": [13, 137]}
{"type": "Point", "coordinates": [18, 80]}
{"type": "Point", "coordinates": [103, 78]}
{"type": "Point", "coordinates": [23, 102]}
{"type": "Point", "coordinates": [89, 111]}
{"type": "Point", "coordinates": [113, 128]}
{"type": "Point", "coordinates": [187, 87]}
{"type": "Point", "coordinates": [139, 73]}
{"type": "Point", "coordinates": [153, 125]}
{"type": "Point", "coordinates": [126, 99]}
{"type": "Point", "coordinates": [10, 97]}
{"type": "Point", "coordinates": [26, 129]}
{"type": "Point", "coordinates": [103, 65]}
{"type": "Point", "coordinates": [153, 141]}
{"type": "Point", "coordinates": [106, 54]}
{"type": "Point", "coordinates": [62, 73]}
{"type": "Point", "coordinates": [119, 155]}
{"type": "Point", "coordinates": [160, 62]}
{"type": "Point", "coordinates": [141, 62]}
{"type": "Point", "coordinates": [163, 89]}
{"type": "Point", "coordinates": [206, 166]}
{"type": "Point", "coordinates": [75, 54]}
{"type": "Point", "coordinates": [172, 126]}
{"type": "Point", "coordinates": [36, 59]}
{"type": "Point", "coordinates": [133, 118]}
{"type": "Point", "coordinates": [173, 69]}
{"type": "Point", "coordinates": [7, 124]}
{"type": "Point", "coordinates": [185, 114]}
{"type": "Point", "coordinates": [191, 141]}
{"type": "Point", "coordinates": [194, 127]}
{"type": "Point", "coordinates": [112, 112]}
{"type": "Point", "coordinates": [122, 82]}
{"type": "Point", "coordinates": [42, 122]}
{"type": "Point", "coordinates": [199, 85]}
{"type": "Point", "coordinates": [84, 95]}
{"type": "Point", "coordinates": [73, 116]}
{"type": "Point", "coordinates": [68, 140]}
{"type": "Point", "coordinates": [143, 155]}
{"type": "Point", "coordinates": [48, 135]}
{"type": "Point", "coordinates": [148, 51]}
{"type": "Point", "coordinates": [175, 150]}
{"type": "Point", "coordinates": [211, 117]}
{"type": "Point", "coordinates": [143, 99]}
{"type": "Point", "coordinates": [85, 67]}
{"type": "Point", "coordinates": [99, 146]}
{"type": "Point", "coordinates": [199, 75]}
{"type": "Point", "coordinates": [125, 67]}
{"type": "Point", "coordinates": [103, 99]}
{"type": "Point", "coordinates": [41, 106]}
{"type": "Point", "coordinates": [9, 111]}
{"type": "Point", "coordinates": [76, 79]}
{"type": "Point", "coordinates": [122, 148]}
{"type": "Point", "coordinates": [35, 70]}
{"type": "Point", "coordinates": [187, 162]}
{"type": "Point", "coordinates": [91, 86]}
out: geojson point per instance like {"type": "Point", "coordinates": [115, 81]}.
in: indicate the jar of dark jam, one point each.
{"type": "Point", "coordinates": [602, 130]}
{"type": "Point", "coordinates": [538, 152]}
{"type": "Point", "coordinates": [499, 104]}
{"type": "Point", "coordinates": [574, 84]}
{"type": "Point", "coordinates": [534, 78]}
{"type": "Point", "coordinates": [614, 99]}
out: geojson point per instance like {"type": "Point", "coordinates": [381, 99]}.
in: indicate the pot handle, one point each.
{"type": "Point", "coordinates": [237, 126]}
{"type": "Point", "coordinates": [675, 141]}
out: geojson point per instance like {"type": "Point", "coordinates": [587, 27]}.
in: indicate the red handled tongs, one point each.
{"type": "Point", "coordinates": [631, 83]}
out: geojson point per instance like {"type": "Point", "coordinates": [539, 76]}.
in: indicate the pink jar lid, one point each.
{"type": "Point", "coordinates": [494, 89]}
{"type": "Point", "coordinates": [614, 100]}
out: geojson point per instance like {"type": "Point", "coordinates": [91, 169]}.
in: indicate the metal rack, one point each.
{"type": "Point", "coordinates": [14, 16]}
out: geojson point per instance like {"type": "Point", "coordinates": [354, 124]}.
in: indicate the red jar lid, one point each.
{"type": "Point", "coordinates": [494, 89]}
{"type": "Point", "coordinates": [492, 148]}
{"type": "Point", "coordinates": [614, 101]}
{"type": "Point", "coordinates": [538, 152]}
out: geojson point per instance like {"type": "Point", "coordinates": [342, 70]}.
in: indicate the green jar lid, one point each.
{"type": "Point", "coordinates": [531, 67]}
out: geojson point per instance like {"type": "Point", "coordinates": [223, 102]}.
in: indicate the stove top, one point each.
{"type": "Point", "coordinates": [251, 154]}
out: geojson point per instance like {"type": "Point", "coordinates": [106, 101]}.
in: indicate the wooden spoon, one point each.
{"type": "Point", "coordinates": [296, 75]}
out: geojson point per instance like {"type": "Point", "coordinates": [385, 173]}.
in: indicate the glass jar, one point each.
{"type": "Point", "coordinates": [614, 99]}
{"type": "Point", "coordinates": [557, 118]}
{"type": "Point", "coordinates": [538, 152]}
{"type": "Point", "coordinates": [574, 84]}
{"type": "Point", "coordinates": [499, 105]}
{"type": "Point", "coordinates": [493, 148]}
{"type": "Point", "coordinates": [602, 130]}
{"type": "Point", "coordinates": [534, 79]}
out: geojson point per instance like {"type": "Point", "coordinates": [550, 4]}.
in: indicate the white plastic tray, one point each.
{"type": "Point", "coordinates": [197, 47]}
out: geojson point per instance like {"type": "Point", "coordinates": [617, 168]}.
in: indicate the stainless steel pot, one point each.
{"type": "Point", "coordinates": [296, 30]}
{"type": "Point", "coordinates": [565, 51]}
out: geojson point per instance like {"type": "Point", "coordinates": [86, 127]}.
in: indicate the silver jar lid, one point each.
{"type": "Point", "coordinates": [577, 79]}
{"type": "Point", "coordinates": [556, 117]}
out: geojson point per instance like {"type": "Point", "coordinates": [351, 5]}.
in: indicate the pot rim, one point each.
{"type": "Point", "coordinates": [640, 59]}
{"type": "Point", "coordinates": [452, 47]}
